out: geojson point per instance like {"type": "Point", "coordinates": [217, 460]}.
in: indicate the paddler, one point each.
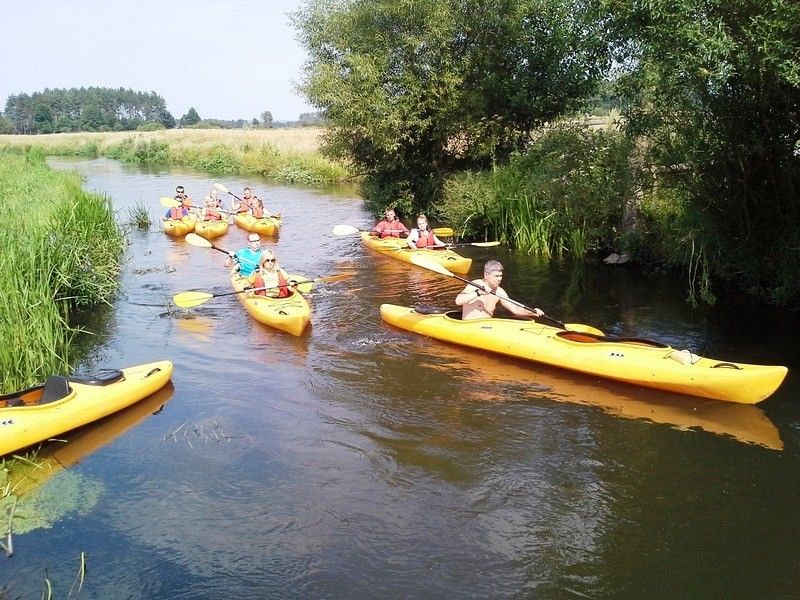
{"type": "Point", "coordinates": [478, 302]}
{"type": "Point", "coordinates": [391, 226]}
{"type": "Point", "coordinates": [210, 210]}
{"type": "Point", "coordinates": [246, 204]}
{"type": "Point", "coordinates": [185, 205]}
{"type": "Point", "coordinates": [247, 259]}
{"type": "Point", "coordinates": [422, 235]}
{"type": "Point", "coordinates": [270, 275]}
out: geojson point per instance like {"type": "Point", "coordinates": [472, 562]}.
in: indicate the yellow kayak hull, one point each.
{"type": "Point", "coordinates": [263, 226]}
{"type": "Point", "coordinates": [648, 364]}
{"type": "Point", "coordinates": [23, 426]}
{"type": "Point", "coordinates": [291, 314]}
{"type": "Point", "coordinates": [211, 229]}
{"type": "Point", "coordinates": [179, 227]}
{"type": "Point", "coordinates": [398, 248]}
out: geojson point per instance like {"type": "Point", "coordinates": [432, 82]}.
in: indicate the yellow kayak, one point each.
{"type": "Point", "coordinates": [211, 229]}
{"type": "Point", "coordinates": [640, 362]}
{"type": "Point", "coordinates": [62, 404]}
{"type": "Point", "coordinates": [264, 226]}
{"type": "Point", "coordinates": [179, 227]}
{"type": "Point", "coordinates": [398, 248]}
{"type": "Point", "coordinates": [291, 314]}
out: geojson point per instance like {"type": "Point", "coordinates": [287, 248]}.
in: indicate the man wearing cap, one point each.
{"type": "Point", "coordinates": [246, 259]}
{"type": "Point", "coordinates": [183, 198]}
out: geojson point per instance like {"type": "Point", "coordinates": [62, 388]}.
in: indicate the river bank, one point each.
{"type": "Point", "coordinates": [289, 155]}
{"type": "Point", "coordinates": [61, 251]}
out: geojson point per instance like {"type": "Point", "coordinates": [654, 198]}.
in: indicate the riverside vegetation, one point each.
{"type": "Point", "coordinates": [61, 250]}
{"type": "Point", "coordinates": [286, 155]}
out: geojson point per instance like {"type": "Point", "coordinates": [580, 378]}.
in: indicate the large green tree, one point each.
{"type": "Point", "coordinates": [415, 89]}
{"type": "Point", "coordinates": [714, 87]}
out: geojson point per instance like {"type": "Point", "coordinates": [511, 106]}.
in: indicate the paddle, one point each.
{"type": "Point", "coordinates": [350, 230]}
{"type": "Point", "coordinates": [201, 242]}
{"type": "Point", "coordinates": [172, 203]}
{"type": "Point", "coordinates": [426, 263]}
{"type": "Point", "coordinates": [445, 246]}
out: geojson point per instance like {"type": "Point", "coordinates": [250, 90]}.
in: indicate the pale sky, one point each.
{"type": "Point", "coordinates": [230, 59]}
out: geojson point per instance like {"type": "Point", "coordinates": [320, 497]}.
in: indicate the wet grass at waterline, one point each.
{"type": "Point", "coordinates": [286, 155]}
{"type": "Point", "coordinates": [60, 250]}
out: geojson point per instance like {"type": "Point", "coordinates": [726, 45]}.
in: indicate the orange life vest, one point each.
{"type": "Point", "coordinates": [283, 290]}
{"type": "Point", "coordinates": [425, 239]}
{"type": "Point", "coordinates": [212, 214]}
{"type": "Point", "coordinates": [258, 211]}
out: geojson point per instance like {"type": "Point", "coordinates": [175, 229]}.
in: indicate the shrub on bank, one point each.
{"type": "Point", "coordinates": [566, 194]}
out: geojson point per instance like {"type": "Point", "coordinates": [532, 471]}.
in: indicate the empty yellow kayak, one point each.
{"type": "Point", "coordinates": [640, 362]}
{"type": "Point", "coordinates": [264, 226]}
{"type": "Point", "coordinates": [211, 229]}
{"type": "Point", "coordinates": [398, 248]}
{"type": "Point", "coordinates": [62, 404]}
{"type": "Point", "coordinates": [291, 314]}
{"type": "Point", "coordinates": [179, 227]}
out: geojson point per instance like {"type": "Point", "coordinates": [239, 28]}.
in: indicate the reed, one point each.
{"type": "Point", "coordinates": [61, 252]}
{"type": "Point", "coordinates": [139, 216]}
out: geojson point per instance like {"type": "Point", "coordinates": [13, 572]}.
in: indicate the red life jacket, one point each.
{"type": "Point", "coordinates": [258, 212]}
{"type": "Point", "coordinates": [425, 239]}
{"type": "Point", "coordinates": [212, 215]}
{"type": "Point", "coordinates": [283, 290]}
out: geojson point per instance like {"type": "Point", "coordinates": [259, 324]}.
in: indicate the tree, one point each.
{"type": "Point", "coordinates": [714, 86]}
{"type": "Point", "coordinates": [414, 90]}
{"type": "Point", "coordinates": [190, 118]}
{"type": "Point", "coordinates": [43, 118]}
{"type": "Point", "coordinates": [266, 119]}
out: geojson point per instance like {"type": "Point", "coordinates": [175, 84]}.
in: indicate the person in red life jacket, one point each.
{"type": "Point", "coordinates": [247, 203]}
{"type": "Point", "coordinates": [210, 211]}
{"type": "Point", "coordinates": [480, 302]}
{"type": "Point", "coordinates": [423, 237]}
{"type": "Point", "coordinates": [258, 208]}
{"type": "Point", "coordinates": [270, 275]}
{"type": "Point", "coordinates": [391, 226]}
{"type": "Point", "coordinates": [185, 207]}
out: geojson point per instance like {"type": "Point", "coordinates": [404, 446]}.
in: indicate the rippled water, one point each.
{"type": "Point", "coordinates": [359, 461]}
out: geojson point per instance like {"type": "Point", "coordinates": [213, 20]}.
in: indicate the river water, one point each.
{"type": "Point", "coordinates": [359, 461]}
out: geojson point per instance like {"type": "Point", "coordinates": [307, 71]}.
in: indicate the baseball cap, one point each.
{"type": "Point", "coordinates": [253, 237]}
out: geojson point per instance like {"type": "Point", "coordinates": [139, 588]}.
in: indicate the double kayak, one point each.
{"type": "Point", "coordinates": [211, 229]}
{"type": "Point", "coordinates": [639, 362]}
{"type": "Point", "coordinates": [291, 314]}
{"type": "Point", "coordinates": [264, 226]}
{"type": "Point", "coordinates": [398, 248]}
{"type": "Point", "coordinates": [65, 403]}
{"type": "Point", "coordinates": [179, 227]}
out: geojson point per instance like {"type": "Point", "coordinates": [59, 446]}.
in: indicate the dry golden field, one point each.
{"type": "Point", "coordinates": [289, 140]}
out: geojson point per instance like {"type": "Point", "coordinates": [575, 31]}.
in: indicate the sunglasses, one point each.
{"type": "Point", "coordinates": [269, 260]}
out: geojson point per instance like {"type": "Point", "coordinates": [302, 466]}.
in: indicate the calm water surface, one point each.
{"type": "Point", "coordinates": [359, 461]}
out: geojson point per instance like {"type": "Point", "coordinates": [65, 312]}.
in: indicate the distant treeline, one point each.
{"type": "Point", "coordinates": [84, 109]}
{"type": "Point", "coordinates": [106, 109]}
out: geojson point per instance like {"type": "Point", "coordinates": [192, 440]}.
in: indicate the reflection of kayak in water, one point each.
{"type": "Point", "coordinates": [487, 374]}
{"type": "Point", "coordinates": [63, 404]}
{"type": "Point", "coordinates": [638, 362]}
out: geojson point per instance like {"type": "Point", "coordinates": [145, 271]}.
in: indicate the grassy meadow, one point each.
{"type": "Point", "coordinates": [286, 155]}
{"type": "Point", "coordinates": [61, 249]}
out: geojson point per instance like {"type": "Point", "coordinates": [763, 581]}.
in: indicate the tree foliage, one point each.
{"type": "Point", "coordinates": [415, 89]}
{"type": "Point", "coordinates": [714, 88]}
{"type": "Point", "coordinates": [190, 118]}
{"type": "Point", "coordinates": [85, 109]}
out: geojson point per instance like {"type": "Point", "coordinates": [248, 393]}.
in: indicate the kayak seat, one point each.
{"type": "Point", "coordinates": [104, 377]}
{"type": "Point", "coordinates": [56, 387]}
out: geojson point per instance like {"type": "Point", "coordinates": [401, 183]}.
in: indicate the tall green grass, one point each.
{"type": "Point", "coordinates": [60, 250]}
{"type": "Point", "coordinates": [565, 195]}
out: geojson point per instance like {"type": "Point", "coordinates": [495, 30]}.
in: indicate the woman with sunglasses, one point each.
{"type": "Point", "coordinates": [270, 275]}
